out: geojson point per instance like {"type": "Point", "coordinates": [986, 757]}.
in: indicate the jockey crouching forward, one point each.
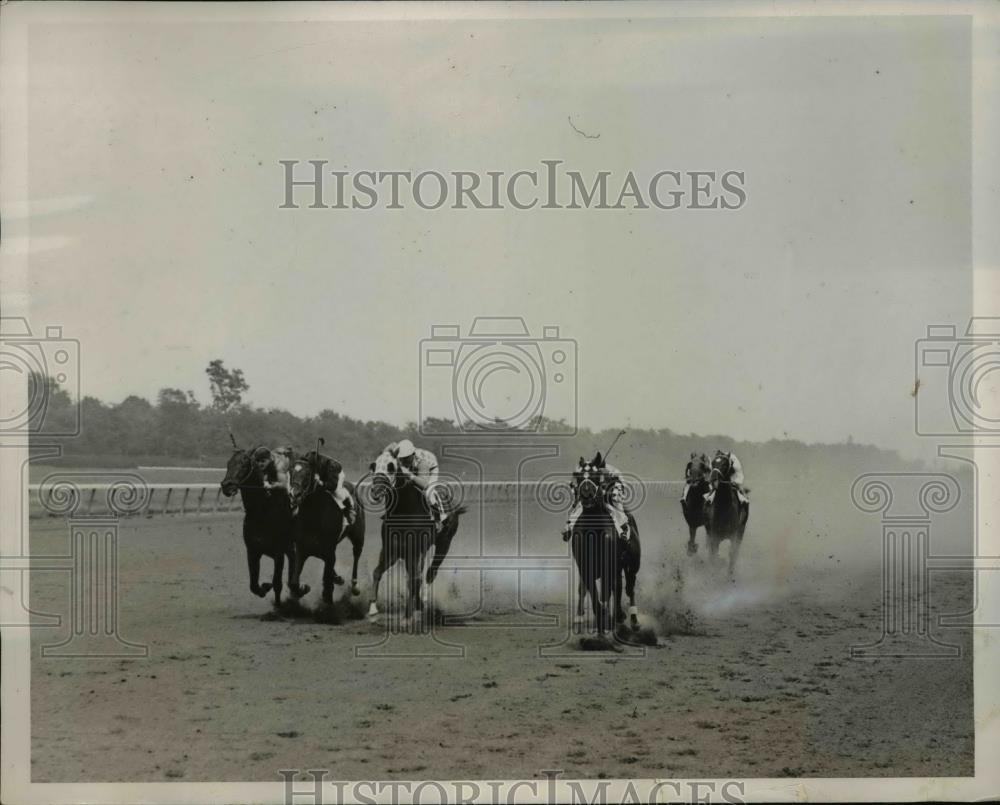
{"type": "Point", "coordinates": [608, 480]}
{"type": "Point", "coordinates": [263, 458]}
{"type": "Point", "coordinates": [282, 458]}
{"type": "Point", "coordinates": [420, 466]}
{"type": "Point", "coordinates": [732, 472]}
{"type": "Point", "coordinates": [329, 475]}
{"type": "Point", "coordinates": [697, 470]}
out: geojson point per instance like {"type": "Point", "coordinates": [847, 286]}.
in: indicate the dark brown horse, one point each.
{"type": "Point", "coordinates": [693, 503]}
{"type": "Point", "coordinates": [267, 521]}
{"type": "Point", "coordinates": [408, 531]}
{"type": "Point", "coordinates": [725, 514]}
{"type": "Point", "coordinates": [629, 560]}
{"type": "Point", "coordinates": [601, 555]}
{"type": "Point", "coordinates": [320, 525]}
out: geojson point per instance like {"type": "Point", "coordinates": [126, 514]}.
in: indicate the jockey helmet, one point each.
{"type": "Point", "coordinates": [405, 449]}
{"type": "Point", "coordinates": [261, 454]}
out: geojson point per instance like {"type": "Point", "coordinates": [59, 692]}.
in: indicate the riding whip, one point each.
{"type": "Point", "coordinates": [606, 454]}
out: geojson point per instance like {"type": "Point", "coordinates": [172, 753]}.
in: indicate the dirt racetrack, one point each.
{"type": "Point", "coordinates": [752, 679]}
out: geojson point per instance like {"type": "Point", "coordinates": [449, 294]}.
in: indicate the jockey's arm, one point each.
{"type": "Point", "coordinates": [423, 476]}
{"type": "Point", "coordinates": [331, 474]}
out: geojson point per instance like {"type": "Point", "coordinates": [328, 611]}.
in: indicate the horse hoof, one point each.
{"type": "Point", "coordinates": [372, 610]}
{"type": "Point", "coordinates": [692, 548]}
{"type": "Point", "coordinates": [338, 579]}
{"type": "Point", "coordinates": [355, 590]}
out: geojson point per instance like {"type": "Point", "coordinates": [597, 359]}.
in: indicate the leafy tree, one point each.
{"type": "Point", "coordinates": [227, 386]}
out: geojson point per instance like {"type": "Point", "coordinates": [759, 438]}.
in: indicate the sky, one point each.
{"type": "Point", "coordinates": [158, 241]}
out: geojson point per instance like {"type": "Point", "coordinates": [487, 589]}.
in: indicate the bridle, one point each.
{"type": "Point", "coordinates": [310, 485]}
{"type": "Point", "coordinates": [719, 475]}
{"type": "Point", "coordinates": [241, 481]}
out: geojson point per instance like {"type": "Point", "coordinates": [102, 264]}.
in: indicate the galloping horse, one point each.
{"type": "Point", "coordinates": [408, 530]}
{"type": "Point", "coordinates": [267, 522]}
{"type": "Point", "coordinates": [600, 554]}
{"type": "Point", "coordinates": [320, 526]}
{"type": "Point", "coordinates": [725, 515]}
{"type": "Point", "coordinates": [693, 502]}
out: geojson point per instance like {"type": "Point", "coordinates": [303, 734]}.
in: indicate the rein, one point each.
{"type": "Point", "coordinates": [251, 469]}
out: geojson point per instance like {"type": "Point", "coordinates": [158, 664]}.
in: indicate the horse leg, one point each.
{"type": "Point", "coordinates": [376, 578]}
{"type": "Point", "coordinates": [295, 573]}
{"type": "Point", "coordinates": [595, 604]}
{"type": "Point", "coordinates": [617, 592]}
{"type": "Point", "coordinates": [414, 560]}
{"type": "Point", "coordinates": [692, 546]}
{"type": "Point", "coordinates": [279, 568]}
{"type": "Point", "coordinates": [734, 551]}
{"type": "Point", "coordinates": [329, 579]}
{"type": "Point", "coordinates": [356, 546]}
{"type": "Point", "coordinates": [607, 602]}
{"type": "Point", "coordinates": [631, 570]}
{"type": "Point", "coordinates": [713, 546]}
{"type": "Point", "coordinates": [581, 597]}
{"type": "Point", "coordinates": [253, 565]}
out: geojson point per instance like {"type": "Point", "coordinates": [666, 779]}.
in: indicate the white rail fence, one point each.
{"type": "Point", "coordinates": [130, 496]}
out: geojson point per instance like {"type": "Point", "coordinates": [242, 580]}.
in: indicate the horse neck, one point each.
{"type": "Point", "coordinates": [253, 497]}
{"type": "Point", "coordinates": [725, 497]}
{"type": "Point", "coordinates": [595, 508]}
{"type": "Point", "coordinates": [409, 500]}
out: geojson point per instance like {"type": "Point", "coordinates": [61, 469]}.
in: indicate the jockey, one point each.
{"type": "Point", "coordinates": [330, 476]}
{"type": "Point", "coordinates": [264, 460]}
{"type": "Point", "coordinates": [736, 477]}
{"type": "Point", "coordinates": [614, 496]}
{"type": "Point", "coordinates": [420, 466]}
{"type": "Point", "coordinates": [282, 458]}
{"type": "Point", "coordinates": [697, 469]}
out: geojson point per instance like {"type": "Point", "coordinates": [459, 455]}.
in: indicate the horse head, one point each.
{"type": "Point", "coordinates": [588, 480]}
{"type": "Point", "coordinates": [721, 467]}
{"type": "Point", "coordinates": [301, 481]}
{"type": "Point", "coordinates": [384, 469]}
{"type": "Point", "coordinates": [239, 469]}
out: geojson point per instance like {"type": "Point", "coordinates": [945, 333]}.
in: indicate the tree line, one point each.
{"type": "Point", "coordinates": [177, 428]}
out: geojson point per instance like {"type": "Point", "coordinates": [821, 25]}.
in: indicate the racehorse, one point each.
{"type": "Point", "coordinates": [320, 526]}
{"type": "Point", "coordinates": [600, 554]}
{"type": "Point", "coordinates": [693, 502]}
{"type": "Point", "coordinates": [725, 514]}
{"type": "Point", "coordinates": [267, 522]}
{"type": "Point", "coordinates": [408, 530]}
